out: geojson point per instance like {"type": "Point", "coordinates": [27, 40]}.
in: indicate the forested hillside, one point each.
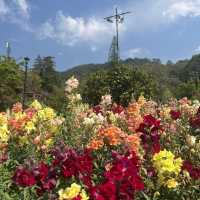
{"type": "Point", "coordinates": [126, 80]}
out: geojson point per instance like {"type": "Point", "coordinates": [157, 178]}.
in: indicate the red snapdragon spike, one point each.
{"type": "Point", "coordinates": [175, 114]}
{"type": "Point", "coordinates": [41, 171]}
{"type": "Point", "coordinates": [77, 198]}
{"type": "Point", "coordinates": [24, 178]}
{"type": "Point", "coordinates": [49, 184]}
{"type": "Point", "coordinates": [195, 122]}
{"type": "Point", "coordinates": [105, 191]}
{"type": "Point", "coordinates": [97, 109]}
{"type": "Point", "coordinates": [75, 164]}
{"type": "Point", "coordinates": [193, 171]}
{"type": "Point", "coordinates": [3, 158]}
{"type": "Point", "coordinates": [122, 180]}
{"type": "Point", "coordinates": [150, 121]}
{"type": "Point", "coordinates": [198, 112]}
{"type": "Point", "coordinates": [117, 109]}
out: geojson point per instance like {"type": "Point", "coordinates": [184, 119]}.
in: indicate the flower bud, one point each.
{"type": "Point", "coordinates": [190, 140]}
{"type": "Point", "coordinates": [36, 140]}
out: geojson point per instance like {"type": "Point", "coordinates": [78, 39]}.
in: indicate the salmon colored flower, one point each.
{"type": "Point", "coordinates": [112, 134]}
{"type": "Point", "coordinates": [133, 142]}
{"type": "Point", "coordinates": [17, 107]}
{"type": "Point", "coordinates": [95, 144]}
{"type": "Point", "coordinates": [133, 109]}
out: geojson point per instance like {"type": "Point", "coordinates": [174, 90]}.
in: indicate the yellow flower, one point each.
{"type": "Point", "coordinates": [49, 142]}
{"type": "Point", "coordinates": [36, 104]}
{"type": "Point", "coordinates": [141, 100]}
{"type": "Point", "coordinates": [29, 126]}
{"type": "Point", "coordinates": [46, 113]}
{"type": "Point", "coordinates": [4, 134]}
{"type": "Point", "coordinates": [71, 192]}
{"type": "Point", "coordinates": [172, 183]}
{"type": "Point", "coordinates": [156, 194]}
{"type": "Point", "coordinates": [23, 140]}
{"type": "Point", "coordinates": [166, 166]}
{"type": "Point", "coordinates": [3, 119]}
{"type": "Point", "coordinates": [84, 195]}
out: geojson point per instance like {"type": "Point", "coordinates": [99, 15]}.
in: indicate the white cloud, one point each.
{"type": "Point", "coordinates": [197, 50]}
{"type": "Point", "coordinates": [135, 52]}
{"type": "Point", "coordinates": [3, 8]}
{"type": "Point", "coordinates": [183, 8]}
{"type": "Point", "coordinates": [152, 15]}
{"type": "Point", "coordinates": [16, 12]}
{"type": "Point", "coordinates": [23, 7]}
{"type": "Point", "coordinates": [93, 48]}
{"type": "Point", "coordinates": [68, 30]}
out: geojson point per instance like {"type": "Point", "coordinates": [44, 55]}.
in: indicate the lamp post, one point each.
{"type": "Point", "coordinates": [26, 60]}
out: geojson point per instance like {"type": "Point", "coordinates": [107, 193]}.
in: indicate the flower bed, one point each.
{"type": "Point", "coordinates": [145, 151]}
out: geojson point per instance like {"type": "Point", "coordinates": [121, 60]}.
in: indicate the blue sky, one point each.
{"type": "Point", "coordinates": [74, 32]}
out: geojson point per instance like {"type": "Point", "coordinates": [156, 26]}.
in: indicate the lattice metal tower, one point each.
{"type": "Point", "coordinates": [117, 18]}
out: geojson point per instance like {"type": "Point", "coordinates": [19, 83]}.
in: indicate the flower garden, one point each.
{"type": "Point", "coordinates": [146, 151]}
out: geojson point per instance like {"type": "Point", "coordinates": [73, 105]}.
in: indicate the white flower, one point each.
{"type": "Point", "coordinates": [106, 100]}
{"type": "Point", "coordinates": [190, 140]}
{"type": "Point", "coordinates": [74, 97]}
{"type": "Point", "coordinates": [71, 84]}
{"type": "Point", "coordinates": [100, 118]}
{"type": "Point", "coordinates": [88, 121]}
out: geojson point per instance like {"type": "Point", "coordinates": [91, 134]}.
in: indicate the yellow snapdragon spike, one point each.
{"type": "Point", "coordinates": [70, 192]}
{"type": "Point", "coordinates": [84, 195]}
{"type": "Point", "coordinates": [4, 134]}
{"type": "Point", "coordinates": [36, 104]}
{"type": "Point", "coordinates": [30, 126]}
{"type": "Point", "coordinates": [49, 142]}
{"type": "Point", "coordinates": [3, 119]}
{"type": "Point", "coordinates": [172, 183]}
{"type": "Point", "coordinates": [167, 166]}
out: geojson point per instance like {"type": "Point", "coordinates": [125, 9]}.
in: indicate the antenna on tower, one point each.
{"type": "Point", "coordinates": [8, 50]}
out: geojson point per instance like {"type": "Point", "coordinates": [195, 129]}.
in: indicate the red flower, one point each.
{"type": "Point", "coordinates": [49, 184]}
{"type": "Point", "coordinates": [193, 171]}
{"type": "Point", "coordinates": [24, 178]}
{"type": "Point", "coordinates": [77, 198]}
{"type": "Point", "coordinates": [41, 171]}
{"type": "Point", "coordinates": [75, 164]}
{"type": "Point", "coordinates": [175, 114]}
{"type": "Point", "coordinates": [121, 181]}
{"type": "Point", "coordinates": [150, 121]}
{"type": "Point", "coordinates": [97, 109]}
{"type": "Point", "coordinates": [117, 109]}
{"type": "Point", "coordinates": [195, 122]}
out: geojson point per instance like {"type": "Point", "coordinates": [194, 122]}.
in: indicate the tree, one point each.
{"type": "Point", "coordinates": [122, 82]}
{"type": "Point", "coordinates": [126, 83]}
{"type": "Point", "coordinates": [11, 82]}
{"type": "Point", "coordinates": [95, 86]}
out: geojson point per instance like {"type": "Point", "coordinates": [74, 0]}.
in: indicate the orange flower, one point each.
{"type": "Point", "coordinates": [17, 107]}
{"type": "Point", "coordinates": [134, 122]}
{"type": "Point", "coordinates": [133, 142]}
{"type": "Point", "coordinates": [95, 144]}
{"type": "Point", "coordinates": [133, 109]}
{"type": "Point", "coordinates": [112, 134]}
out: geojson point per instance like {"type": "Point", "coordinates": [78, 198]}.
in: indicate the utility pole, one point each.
{"type": "Point", "coordinates": [8, 50]}
{"type": "Point", "coordinates": [118, 18]}
{"type": "Point", "coordinates": [26, 60]}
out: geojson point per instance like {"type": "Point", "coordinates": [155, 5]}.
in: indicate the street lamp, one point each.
{"type": "Point", "coordinates": [26, 61]}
